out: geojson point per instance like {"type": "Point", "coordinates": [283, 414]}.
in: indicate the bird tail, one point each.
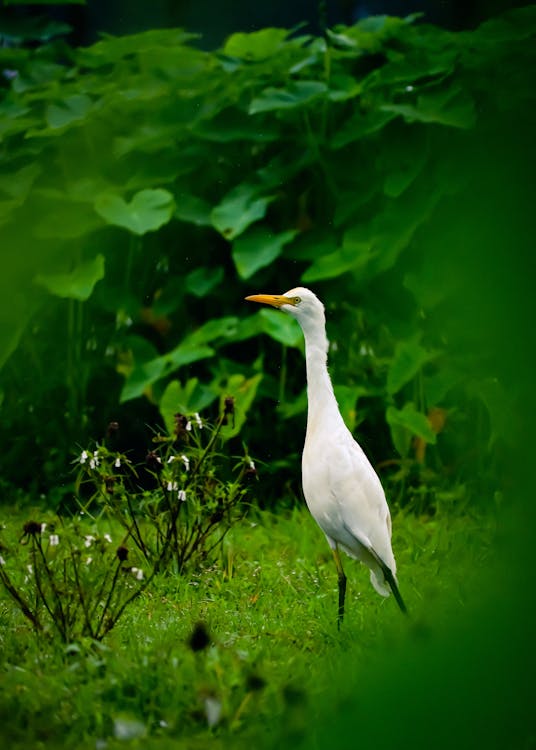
{"type": "Point", "coordinates": [393, 585]}
{"type": "Point", "coordinates": [388, 580]}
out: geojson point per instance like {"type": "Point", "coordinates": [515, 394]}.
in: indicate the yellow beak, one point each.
{"type": "Point", "coordinates": [276, 300]}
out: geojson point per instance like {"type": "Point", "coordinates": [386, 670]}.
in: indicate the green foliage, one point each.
{"type": "Point", "coordinates": [69, 583]}
{"type": "Point", "coordinates": [178, 517]}
{"type": "Point", "coordinates": [78, 284]}
{"type": "Point", "coordinates": [255, 634]}
{"type": "Point", "coordinates": [68, 578]}
{"type": "Point", "coordinates": [154, 185]}
{"type": "Point", "coordinates": [147, 211]}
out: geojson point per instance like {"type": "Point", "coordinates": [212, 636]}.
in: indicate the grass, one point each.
{"type": "Point", "coordinates": [273, 659]}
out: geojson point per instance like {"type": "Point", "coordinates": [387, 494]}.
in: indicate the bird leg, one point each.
{"type": "Point", "coordinates": [342, 586]}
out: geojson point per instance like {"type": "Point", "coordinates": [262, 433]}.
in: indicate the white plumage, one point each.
{"type": "Point", "coordinates": [342, 490]}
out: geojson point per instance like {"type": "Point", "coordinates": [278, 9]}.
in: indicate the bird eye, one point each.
{"type": "Point", "coordinates": [296, 300]}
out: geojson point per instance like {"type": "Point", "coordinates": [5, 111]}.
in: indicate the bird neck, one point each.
{"type": "Point", "coordinates": [321, 401]}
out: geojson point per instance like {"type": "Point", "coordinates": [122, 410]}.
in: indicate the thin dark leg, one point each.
{"type": "Point", "coordinates": [342, 586]}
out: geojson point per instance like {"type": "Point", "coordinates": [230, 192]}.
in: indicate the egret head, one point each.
{"type": "Point", "coordinates": [299, 302]}
{"type": "Point", "coordinates": [302, 304]}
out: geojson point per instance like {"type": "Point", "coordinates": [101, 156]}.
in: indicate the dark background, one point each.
{"type": "Point", "coordinates": [216, 19]}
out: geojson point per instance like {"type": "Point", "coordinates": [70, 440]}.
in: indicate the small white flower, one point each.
{"type": "Point", "coordinates": [409, 88]}
{"type": "Point", "coordinates": [137, 573]}
{"type": "Point", "coordinates": [83, 457]}
{"type": "Point", "coordinates": [212, 710]}
{"type": "Point", "coordinates": [89, 561]}
{"type": "Point", "coordinates": [53, 540]}
{"type": "Point", "coordinates": [2, 561]}
{"type": "Point", "coordinates": [181, 496]}
{"type": "Point", "coordinates": [252, 465]}
{"type": "Point", "coordinates": [88, 540]}
{"type": "Point", "coordinates": [171, 459]}
{"type": "Point", "coordinates": [198, 420]}
{"type": "Point", "coordinates": [188, 426]}
{"type": "Point", "coordinates": [186, 462]}
{"type": "Point", "coordinates": [29, 568]}
{"type": "Point", "coordinates": [117, 463]}
{"type": "Point", "coordinates": [172, 486]}
{"type": "Point", "coordinates": [43, 527]}
{"type": "Point", "coordinates": [92, 463]}
{"type": "Point", "coordinates": [108, 538]}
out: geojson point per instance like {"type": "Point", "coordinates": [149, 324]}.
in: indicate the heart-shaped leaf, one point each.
{"type": "Point", "coordinates": [240, 208]}
{"type": "Point", "coordinates": [147, 211]}
{"type": "Point", "coordinates": [258, 248]}
{"type": "Point", "coordinates": [257, 45]}
{"type": "Point", "coordinates": [78, 284]}
{"type": "Point", "coordinates": [408, 359]}
{"type": "Point", "coordinates": [408, 422]}
{"type": "Point", "coordinates": [281, 327]}
{"type": "Point", "coordinates": [71, 109]}
{"type": "Point", "coordinates": [186, 399]}
{"type": "Point", "coordinates": [243, 391]}
{"type": "Point", "coordinates": [296, 94]}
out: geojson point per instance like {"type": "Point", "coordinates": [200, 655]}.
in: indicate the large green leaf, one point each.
{"type": "Point", "coordinates": [231, 125]}
{"type": "Point", "coordinates": [218, 328]}
{"type": "Point", "coordinates": [452, 107]}
{"type": "Point", "coordinates": [240, 208]}
{"type": "Point", "coordinates": [64, 219]}
{"type": "Point", "coordinates": [73, 108]}
{"type": "Point", "coordinates": [347, 397]}
{"type": "Point", "coordinates": [360, 124]}
{"type": "Point", "coordinates": [408, 359]}
{"type": "Point", "coordinates": [204, 279]}
{"type": "Point", "coordinates": [16, 311]}
{"type": "Point", "coordinates": [192, 348]}
{"type": "Point", "coordinates": [274, 323]}
{"type": "Point", "coordinates": [406, 423]}
{"type": "Point", "coordinates": [18, 184]}
{"type": "Point", "coordinates": [184, 399]}
{"type": "Point", "coordinates": [194, 210]}
{"type": "Point", "coordinates": [257, 45]}
{"type": "Point", "coordinates": [281, 327]}
{"type": "Point", "coordinates": [78, 283]}
{"type": "Point", "coordinates": [111, 49]}
{"type": "Point", "coordinates": [438, 385]}
{"type": "Point", "coordinates": [258, 248]}
{"type": "Point", "coordinates": [296, 94]}
{"type": "Point", "coordinates": [144, 375]}
{"type": "Point", "coordinates": [243, 391]}
{"type": "Point", "coordinates": [351, 256]}
{"type": "Point", "coordinates": [147, 211]}
{"type": "Point", "coordinates": [402, 157]}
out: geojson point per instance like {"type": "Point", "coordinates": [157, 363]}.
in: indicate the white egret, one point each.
{"type": "Point", "coordinates": [342, 490]}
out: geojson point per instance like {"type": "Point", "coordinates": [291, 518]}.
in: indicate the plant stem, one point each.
{"type": "Point", "coordinates": [81, 596]}
{"type": "Point", "coordinates": [23, 604]}
{"type": "Point", "coordinates": [40, 591]}
{"type": "Point", "coordinates": [108, 600]}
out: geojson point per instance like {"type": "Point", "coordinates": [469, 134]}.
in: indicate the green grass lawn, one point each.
{"type": "Point", "coordinates": [274, 669]}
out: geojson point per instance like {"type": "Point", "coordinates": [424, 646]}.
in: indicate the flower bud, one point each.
{"type": "Point", "coordinates": [122, 553]}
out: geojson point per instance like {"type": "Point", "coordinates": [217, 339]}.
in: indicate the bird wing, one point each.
{"type": "Point", "coordinates": [357, 492]}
